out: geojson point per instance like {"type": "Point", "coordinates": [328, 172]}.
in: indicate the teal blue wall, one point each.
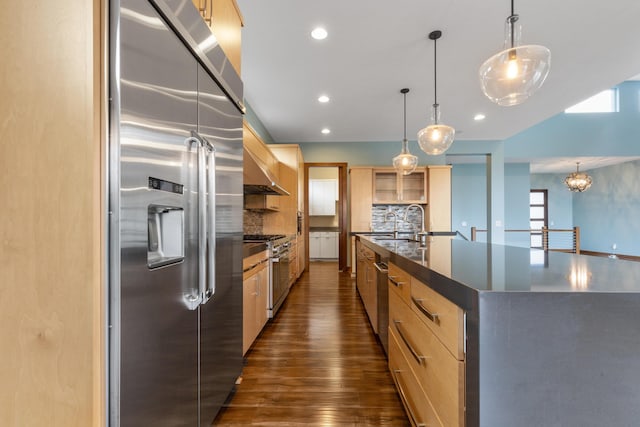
{"type": "Point", "coordinates": [469, 200]}
{"type": "Point", "coordinates": [608, 212]}
{"type": "Point", "coordinates": [593, 134]}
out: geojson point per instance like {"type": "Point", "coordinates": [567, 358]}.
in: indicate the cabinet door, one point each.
{"type": "Point", "coordinates": [361, 198]}
{"type": "Point", "coordinates": [248, 312]}
{"type": "Point", "coordinates": [314, 244]}
{"type": "Point", "coordinates": [439, 212]}
{"type": "Point", "coordinates": [262, 289]}
{"type": "Point", "coordinates": [329, 245]}
{"type": "Point", "coordinates": [413, 187]}
{"type": "Point", "coordinates": [385, 186]}
{"type": "Point", "coordinates": [322, 197]}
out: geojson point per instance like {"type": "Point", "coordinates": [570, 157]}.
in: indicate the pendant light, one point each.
{"type": "Point", "coordinates": [405, 162]}
{"type": "Point", "coordinates": [578, 181]}
{"type": "Point", "coordinates": [437, 137]}
{"type": "Point", "coordinates": [511, 76]}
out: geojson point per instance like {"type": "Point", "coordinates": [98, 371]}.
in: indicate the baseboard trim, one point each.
{"type": "Point", "coordinates": [605, 255]}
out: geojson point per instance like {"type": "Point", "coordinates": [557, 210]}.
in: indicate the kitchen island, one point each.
{"type": "Point", "coordinates": [493, 335]}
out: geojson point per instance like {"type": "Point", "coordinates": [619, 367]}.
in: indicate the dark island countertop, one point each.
{"type": "Point", "coordinates": [480, 267]}
{"type": "Point", "coordinates": [564, 325]}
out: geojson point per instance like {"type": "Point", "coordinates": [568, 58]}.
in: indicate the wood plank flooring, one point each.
{"type": "Point", "coordinates": [317, 363]}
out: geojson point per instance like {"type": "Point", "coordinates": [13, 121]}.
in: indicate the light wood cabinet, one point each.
{"type": "Point", "coordinates": [438, 210]}
{"type": "Point", "coordinates": [361, 198]}
{"type": "Point", "coordinates": [292, 178]}
{"type": "Point", "coordinates": [427, 336]}
{"type": "Point", "coordinates": [225, 20]}
{"type": "Point", "coordinates": [255, 288]}
{"type": "Point", "coordinates": [52, 219]}
{"type": "Point", "coordinates": [393, 188]}
{"type": "Point", "coordinates": [367, 283]}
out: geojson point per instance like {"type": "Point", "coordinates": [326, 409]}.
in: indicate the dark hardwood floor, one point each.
{"type": "Point", "coordinates": [317, 363]}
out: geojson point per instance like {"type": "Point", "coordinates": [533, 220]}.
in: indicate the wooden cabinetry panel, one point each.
{"type": "Point", "coordinates": [360, 190]}
{"type": "Point", "coordinates": [440, 374]}
{"type": "Point", "coordinates": [255, 282]}
{"type": "Point", "coordinates": [439, 207]}
{"type": "Point", "coordinates": [51, 220]}
{"type": "Point", "coordinates": [441, 316]}
{"type": "Point", "coordinates": [225, 20]}
{"type": "Point", "coordinates": [399, 282]}
{"type": "Point", "coordinates": [391, 188]}
{"type": "Point", "coordinates": [415, 401]}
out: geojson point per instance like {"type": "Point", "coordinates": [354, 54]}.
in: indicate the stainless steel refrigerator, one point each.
{"type": "Point", "coordinates": [175, 217]}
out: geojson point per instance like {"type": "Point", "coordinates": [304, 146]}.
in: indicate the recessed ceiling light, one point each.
{"type": "Point", "coordinates": [323, 99]}
{"type": "Point", "coordinates": [325, 131]}
{"type": "Point", "coordinates": [479, 117]}
{"type": "Point", "coordinates": [319, 33]}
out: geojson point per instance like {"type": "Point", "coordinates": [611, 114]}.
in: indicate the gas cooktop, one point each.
{"type": "Point", "coordinates": [262, 237]}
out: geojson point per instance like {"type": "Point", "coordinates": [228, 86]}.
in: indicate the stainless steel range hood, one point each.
{"type": "Point", "coordinates": [258, 179]}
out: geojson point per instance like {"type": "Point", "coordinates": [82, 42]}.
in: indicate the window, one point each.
{"type": "Point", "coordinates": [538, 214]}
{"type": "Point", "coordinates": [603, 102]}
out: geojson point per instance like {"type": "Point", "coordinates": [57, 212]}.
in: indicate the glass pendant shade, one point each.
{"type": "Point", "coordinates": [578, 181]}
{"type": "Point", "coordinates": [436, 138]}
{"type": "Point", "coordinates": [511, 76]}
{"type": "Point", "coordinates": [405, 162]}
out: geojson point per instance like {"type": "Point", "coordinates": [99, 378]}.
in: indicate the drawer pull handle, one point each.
{"type": "Point", "coordinates": [395, 373]}
{"type": "Point", "coordinates": [431, 316]}
{"type": "Point", "coordinates": [419, 358]}
{"type": "Point", "coordinates": [396, 283]}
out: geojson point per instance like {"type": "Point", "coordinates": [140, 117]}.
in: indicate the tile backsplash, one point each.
{"type": "Point", "coordinates": [378, 222]}
{"type": "Point", "coordinates": [252, 222]}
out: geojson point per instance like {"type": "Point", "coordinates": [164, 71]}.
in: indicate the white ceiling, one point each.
{"type": "Point", "coordinates": [373, 50]}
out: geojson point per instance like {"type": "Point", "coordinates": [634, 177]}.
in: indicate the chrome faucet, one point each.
{"type": "Point", "coordinates": [395, 222]}
{"type": "Point", "coordinates": [406, 214]}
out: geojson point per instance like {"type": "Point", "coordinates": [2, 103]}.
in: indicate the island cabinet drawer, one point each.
{"type": "Point", "coordinates": [441, 316]}
{"type": "Point", "coordinates": [415, 401]}
{"type": "Point", "coordinates": [399, 282]}
{"type": "Point", "coordinates": [439, 373]}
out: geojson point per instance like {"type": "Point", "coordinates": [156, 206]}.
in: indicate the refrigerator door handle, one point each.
{"type": "Point", "coordinates": [211, 235]}
{"type": "Point", "coordinates": [194, 299]}
{"type": "Point", "coordinates": [206, 218]}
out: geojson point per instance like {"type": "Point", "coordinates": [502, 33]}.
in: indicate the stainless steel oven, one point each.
{"type": "Point", "coordinates": [278, 247]}
{"type": "Point", "coordinates": [279, 283]}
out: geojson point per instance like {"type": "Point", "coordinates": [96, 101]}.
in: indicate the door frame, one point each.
{"type": "Point", "coordinates": [342, 210]}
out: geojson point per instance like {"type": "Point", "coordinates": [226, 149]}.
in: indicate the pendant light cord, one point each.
{"type": "Point", "coordinates": [405, 115]}
{"type": "Point", "coordinates": [512, 20]}
{"type": "Point", "coordinates": [435, 73]}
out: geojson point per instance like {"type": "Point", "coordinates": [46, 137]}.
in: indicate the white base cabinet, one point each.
{"type": "Point", "coordinates": [323, 245]}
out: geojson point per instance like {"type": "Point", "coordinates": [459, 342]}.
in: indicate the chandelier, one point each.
{"type": "Point", "coordinates": [578, 181]}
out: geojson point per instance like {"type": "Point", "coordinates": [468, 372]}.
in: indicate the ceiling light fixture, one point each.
{"type": "Point", "coordinates": [323, 99]}
{"type": "Point", "coordinates": [319, 33]}
{"type": "Point", "coordinates": [437, 137]}
{"type": "Point", "coordinates": [325, 131]}
{"type": "Point", "coordinates": [479, 117]}
{"type": "Point", "coordinates": [511, 76]}
{"type": "Point", "coordinates": [405, 162]}
{"type": "Point", "coordinates": [578, 181]}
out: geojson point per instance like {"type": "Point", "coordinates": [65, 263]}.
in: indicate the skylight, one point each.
{"type": "Point", "coordinates": [603, 102]}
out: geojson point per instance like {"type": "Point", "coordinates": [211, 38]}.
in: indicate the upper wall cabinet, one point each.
{"type": "Point", "coordinates": [225, 20]}
{"type": "Point", "coordinates": [391, 188]}
{"type": "Point", "coordinates": [322, 197]}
